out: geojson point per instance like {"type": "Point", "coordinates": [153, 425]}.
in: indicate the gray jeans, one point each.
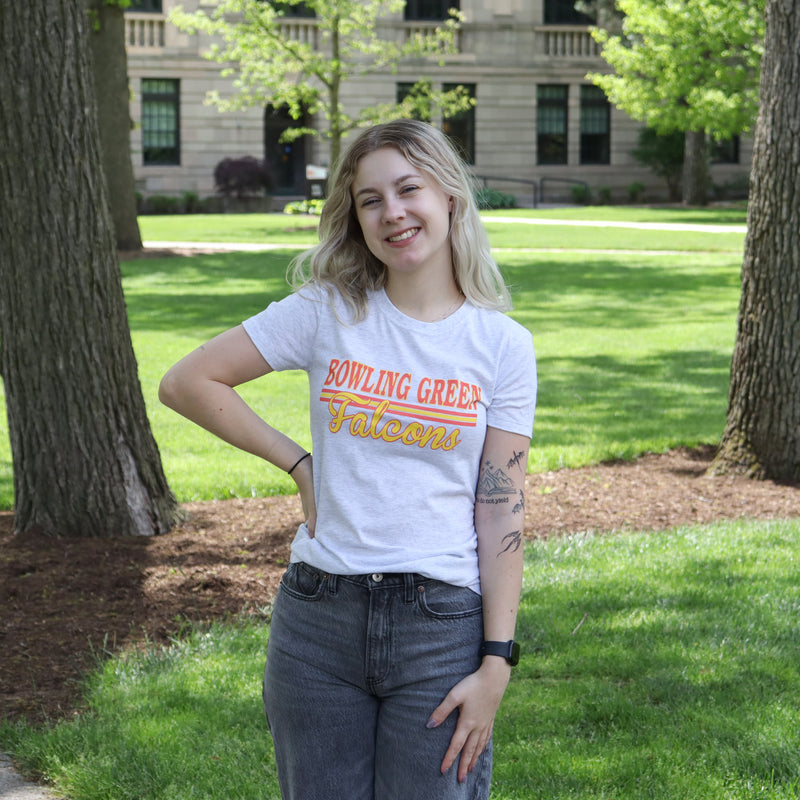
{"type": "Point", "coordinates": [355, 667]}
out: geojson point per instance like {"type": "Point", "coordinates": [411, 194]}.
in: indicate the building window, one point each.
{"type": "Point", "coordinates": [436, 10]}
{"type": "Point", "coordinates": [152, 6]}
{"type": "Point", "coordinates": [562, 12]}
{"type": "Point", "coordinates": [421, 104]}
{"type": "Point", "coordinates": [461, 127]}
{"type": "Point", "coordinates": [551, 124]}
{"type": "Point", "coordinates": [595, 126]}
{"type": "Point", "coordinates": [160, 121]}
{"type": "Point", "coordinates": [725, 151]}
{"type": "Point", "coordinates": [295, 10]}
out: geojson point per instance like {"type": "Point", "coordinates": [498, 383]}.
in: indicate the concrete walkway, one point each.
{"type": "Point", "coordinates": [644, 226]}
{"type": "Point", "coordinates": [14, 787]}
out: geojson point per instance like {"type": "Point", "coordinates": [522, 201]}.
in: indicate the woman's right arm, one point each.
{"type": "Point", "coordinates": [201, 387]}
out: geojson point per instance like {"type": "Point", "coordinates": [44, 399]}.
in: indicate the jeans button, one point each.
{"type": "Point", "coordinates": [377, 577]}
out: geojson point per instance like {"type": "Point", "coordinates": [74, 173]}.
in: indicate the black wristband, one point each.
{"type": "Point", "coordinates": [290, 471]}
{"type": "Point", "coordinates": [508, 650]}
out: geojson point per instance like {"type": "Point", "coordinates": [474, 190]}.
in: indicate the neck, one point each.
{"type": "Point", "coordinates": [427, 303]}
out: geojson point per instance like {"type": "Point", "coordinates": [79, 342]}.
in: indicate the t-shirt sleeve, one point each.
{"type": "Point", "coordinates": [285, 330]}
{"type": "Point", "coordinates": [514, 399]}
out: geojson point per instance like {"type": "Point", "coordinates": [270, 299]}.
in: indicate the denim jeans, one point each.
{"type": "Point", "coordinates": [355, 667]}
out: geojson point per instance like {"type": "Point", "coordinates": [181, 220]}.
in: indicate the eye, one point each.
{"type": "Point", "coordinates": [369, 201]}
{"type": "Point", "coordinates": [409, 189]}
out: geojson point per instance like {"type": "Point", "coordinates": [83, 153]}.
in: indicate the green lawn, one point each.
{"type": "Point", "coordinates": [656, 667]}
{"type": "Point", "coordinates": [633, 345]}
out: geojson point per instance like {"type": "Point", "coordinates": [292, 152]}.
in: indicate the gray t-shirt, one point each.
{"type": "Point", "coordinates": [399, 410]}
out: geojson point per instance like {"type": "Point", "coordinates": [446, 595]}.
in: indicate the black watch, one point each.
{"type": "Point", "coordinates": [508, 650]}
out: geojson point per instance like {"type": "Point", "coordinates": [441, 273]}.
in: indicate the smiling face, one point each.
{"type": "Point", "coordinates": [403, 213]}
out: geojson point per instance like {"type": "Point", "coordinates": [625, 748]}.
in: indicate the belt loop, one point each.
{"type": "Point", "coordinates": [332, 583]}
{"type": "Point", "coordinates": [408, 582]}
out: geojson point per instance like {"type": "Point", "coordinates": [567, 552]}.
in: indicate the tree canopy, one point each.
{"type": "Point", "coordinates": [275, 63]}
{"type": "Point", "coordinates": [687, 65]}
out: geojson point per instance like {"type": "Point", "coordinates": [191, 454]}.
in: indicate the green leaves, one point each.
{"type": "Point", "coordinates": [686, 64]}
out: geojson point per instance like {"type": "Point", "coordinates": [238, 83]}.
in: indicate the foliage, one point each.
{"type": "Point", "coordinates": [686, 65]}
{"type": "Point", "coordinates": [581, 194]}
{"type": "Point", "coordinates": [663, 153]}
{"type": "Point", "coordinates": [636, 191]}
{"type": "Point", "coordinates": [241, 177]}
{"type": "Point", "coordinates": [492, 198]}
{"type": "Point", "coordinates": [304, 72]}
{"type": "Point", "coordinates": [313, 207]}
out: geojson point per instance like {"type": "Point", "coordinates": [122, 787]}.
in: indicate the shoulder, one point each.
{"type": "Point", "coordinates": [500, 327]}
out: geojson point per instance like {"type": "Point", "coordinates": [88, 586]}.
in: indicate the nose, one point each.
{"type": "Point", "coordinates": [393, 209]}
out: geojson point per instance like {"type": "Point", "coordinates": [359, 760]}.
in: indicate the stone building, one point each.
{"type": "Point", "coordinates": [538, 124]}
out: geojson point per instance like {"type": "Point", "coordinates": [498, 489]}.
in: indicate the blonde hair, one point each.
{"type": "Point", "coordinates": [343, 263]}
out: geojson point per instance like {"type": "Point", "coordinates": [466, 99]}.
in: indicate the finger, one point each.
{"type": "Point", "coordinates": [482, 745]}
{"type": "Point", "coordinates": [456, 745]}
{"type": "Point", "coordinates": [469, 756]}
{"type": "Point", "coordinates": [442, 711]}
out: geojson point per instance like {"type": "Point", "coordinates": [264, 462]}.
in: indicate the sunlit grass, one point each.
{"type": "Point", "coordinates": [633, 347]}
{"type": "Point", "coordinates": [655, 665]}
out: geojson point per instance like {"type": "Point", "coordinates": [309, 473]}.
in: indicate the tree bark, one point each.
{"type": "Point", "coordinates": [695, 169]}
{"type": "Point", "coordinates": [85, 461]}
{"type": "Point", "coordinates": [762, 434]}
{"type": "Point", "coordinates": [110, 67]}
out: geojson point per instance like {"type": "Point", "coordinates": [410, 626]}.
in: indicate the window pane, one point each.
{"type": "Point", "coordinates": [160, 121]}
{"type": "Point", "coordinates": [436, 10]}
{"type": "Point", "coordinates": [461, 127]}
{"type": "Point", "coordinates": [551, 124]}
{"type": "Point", "coordinates": [145, 5]}
{"type": "Point", "coordinates": [422, 106]}
{"type": "Point", "coordinates": [562, 12]}
{"type": "Point", "coordinates": [595, 126]}
{"type": "Point", "coordinates": [725, 151]}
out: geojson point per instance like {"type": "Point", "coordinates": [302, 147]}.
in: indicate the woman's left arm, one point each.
{"type": "Point", "coordinates": [499, 522]}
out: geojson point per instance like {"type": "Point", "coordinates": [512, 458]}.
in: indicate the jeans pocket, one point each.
{"type": "Point", "coordinates": [302, 581]}
{"type": "Point", "coordinates": [439, 600]}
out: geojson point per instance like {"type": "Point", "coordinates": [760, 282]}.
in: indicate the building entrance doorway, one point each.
{"type": "Point", "coordinates": [287, 159]}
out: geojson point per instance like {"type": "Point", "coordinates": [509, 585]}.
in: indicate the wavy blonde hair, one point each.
{"type": "Point", "coordinates": [343, 263]}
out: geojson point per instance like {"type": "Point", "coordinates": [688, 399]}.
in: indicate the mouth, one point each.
{"type": "Point", "coordinates": [401, 237]}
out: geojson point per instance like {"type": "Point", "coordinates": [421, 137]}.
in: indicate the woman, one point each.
{"type": "Point", "coordinates": [391, 639]}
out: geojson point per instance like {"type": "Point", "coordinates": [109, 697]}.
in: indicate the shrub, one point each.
{"type": "Point", "coordinates": [161, 204]}
{"type": "Point", "coordinates": [240, 177]}
{"type": "Point", "coordinates": [636, 192]}
{"type": "Point", "coordinates": [603, 195]}
{"type": "Point", "coordinates": [491, 198]}
{"type": "Point", "coordinates": [304, 207]}
{"type": "Point", "coordinates": [580, 194]}
{"type": "Point", "coordinates": [191, 202]}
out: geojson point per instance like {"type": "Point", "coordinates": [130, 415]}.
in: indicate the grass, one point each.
{"type": "Point", "coordinates": [658, 665]}
{"type": "Point", "coordinates": [655, 666]}
{"type": "Point", "coordinates": [633, 345]}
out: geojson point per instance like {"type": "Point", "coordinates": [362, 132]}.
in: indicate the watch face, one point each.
{"type": "Point", "coordinates": [514, 655]}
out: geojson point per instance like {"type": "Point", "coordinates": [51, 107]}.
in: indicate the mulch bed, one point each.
{"type": "Point", "coordinates": [67, 602]}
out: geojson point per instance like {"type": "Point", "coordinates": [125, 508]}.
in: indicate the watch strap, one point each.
{"type": "Point", "coordinates": [508, 650]}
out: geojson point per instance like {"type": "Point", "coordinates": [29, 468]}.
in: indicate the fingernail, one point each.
{"type": "Point", "coordinates": [432, 723]}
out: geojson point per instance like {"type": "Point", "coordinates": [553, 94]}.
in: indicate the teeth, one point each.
{"type": "Point", "coordinates": [400, 237]}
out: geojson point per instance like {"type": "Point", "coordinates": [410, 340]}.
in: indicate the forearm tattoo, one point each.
{"type": "Point", "coordinates": [495, 487]}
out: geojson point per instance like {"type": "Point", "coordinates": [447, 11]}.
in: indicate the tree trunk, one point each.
{"type": "Point", "coordinates": [695, 169]}
{"type": "Point", "coordinates": [110, 67]}
{"type": "Point", "coordinates": [85, 461]}
{"type": "Point", "coordinates": [762, 435]}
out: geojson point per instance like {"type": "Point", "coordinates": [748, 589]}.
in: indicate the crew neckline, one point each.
{"type": "Point", "coordinates": [441, 325]}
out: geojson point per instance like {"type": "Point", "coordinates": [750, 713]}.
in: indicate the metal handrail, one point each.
{"type": "Point", "coordinates": [532, 183]}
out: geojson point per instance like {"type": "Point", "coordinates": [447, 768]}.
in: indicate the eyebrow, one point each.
{"type": "Point", "coordinates": [403, 179]}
